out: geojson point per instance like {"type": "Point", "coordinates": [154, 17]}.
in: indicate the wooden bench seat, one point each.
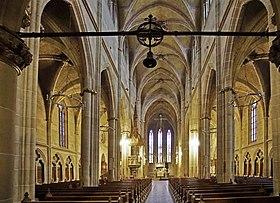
{"type": "Point", "coordinates": [92, 197]}
{"type": "Point", "coordinates": [124, 191]}
{"type": "Point", "coordinates": [77, 201]}
{"type": "Point", "coordinates": [184, 190]}
{"type": "Point", "coordinates": [254, 199]}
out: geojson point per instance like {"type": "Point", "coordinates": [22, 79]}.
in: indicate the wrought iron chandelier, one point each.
{"type": "Point", "coordinates": [150, 34]}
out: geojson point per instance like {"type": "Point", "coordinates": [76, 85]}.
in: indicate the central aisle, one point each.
{"type": "Point", "coordinates": [159, 192]}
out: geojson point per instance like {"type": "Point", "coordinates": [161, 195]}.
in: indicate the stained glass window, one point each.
{"type": "Point", "coordinates": [159, 146]}
{"type": "Point", "coordinates": [151, 147]}
{"type": "Point", "coordinates": [254, 122]}
{"type": "Point", "coordinates": [168, 147]}
{"type": "Point", "coordinates": [62, 126]}
{"type": "Point", "coordinates": [206, 8]}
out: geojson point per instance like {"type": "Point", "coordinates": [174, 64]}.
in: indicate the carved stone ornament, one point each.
{"type": "Point", "coordinates": [26, 18]}
{"type": "Point", "coordinates": [14, 49]}
{"type": "Point", "coordinates": [274, 52]}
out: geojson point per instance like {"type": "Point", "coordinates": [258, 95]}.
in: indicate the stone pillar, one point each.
{"type": "Point", "coordinates": [86, 141]}
{"type": "Point", "coordinates": [183, 137]}
{"type": "Point", "coordinates": [90, 140]}
{"type": "Point", "coordinates": [26, 108]}
{"type": "Point", "coordinates": [205, 127]}
{"type": "Point", "coordinates": [186, 148]}
{"type": "Point", "coordinates": [111, 150]}
{"type": "Point", "coordinates": [146, 149]}
{"type": "Point", "coordinates": [229, 138]}
{"type": "Point", "coordinates": [14, 57]}
{"type": "Point", "coordinates": [220, 139]}
{"type": "Point", "coordinates": [180, 149]}
{"type": "Point", "coordinates": [265, 148]}
{"type": "Point", "coordinates": [275, 118]}
{"type": "Point", "coordinates": [225, 137]}
{"type": "Point", "coordinates": [95, 162]}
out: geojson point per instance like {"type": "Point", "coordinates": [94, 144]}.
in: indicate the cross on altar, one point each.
{"type": "Point", "coordinates": [160, 119]}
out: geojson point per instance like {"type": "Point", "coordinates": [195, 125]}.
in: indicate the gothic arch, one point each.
{"type": "Point", "coordinates": [228, 56]}
{"type": "Point", "coordinates": [210, 92]}
{"type": "Point", "coordinates": [41, 166]}
{"type": "Point", "coordinates": [107, 93]}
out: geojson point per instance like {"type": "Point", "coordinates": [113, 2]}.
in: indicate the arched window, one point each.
{"type": "Point", "coordinates": [206, 8]}
{"type": "Point", "coordinates": [69, 169]}
{"type": "Point", "coordinates": [245, 167]}
{"type": "Point", "coordinates": [63, 135]}
{"type": "Point", "coordinates": [250, 168]}
{"type": "Point", "coordinates": [259, 163]}
{"type": "Point", "coordinates": [39, 168]}
{"type": "Point", "coordinates": [56, 169]}
{"type": "Point", "coordinates": [54, 179]}
{"type": "Point", "coordinates": [72, 172]}
{"type": "Point", "coordinates": [59, 172]}
{"type": "Point", "coordinates": [261, 167]}
{"type": "Point", "coordinates": [151, 147]}
{"type": "Point", "coordinates": [256, 167]}
{"type": "Point", "coordinates": [168, 147]}
{"type": "Point", "coordinates": [159, 146]}
{"type": "Point", "coordinates": [40, 172]}
{"type": "Point", "coordinates": [254, 122]}
{"type": "Point", "coordinates": [247, 164]}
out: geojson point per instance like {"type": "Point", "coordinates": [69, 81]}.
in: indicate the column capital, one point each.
{"type": "Point", "coordinates": [13, 50]}
{"type": "Point", "coordinates": [227, 89]}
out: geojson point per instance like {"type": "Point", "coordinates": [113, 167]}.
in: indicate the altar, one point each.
{"type": "Point", "coordinates": [161, 172]}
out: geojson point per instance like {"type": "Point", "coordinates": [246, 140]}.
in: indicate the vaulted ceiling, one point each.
{"type": "Point", "coordinates": [161, 89]}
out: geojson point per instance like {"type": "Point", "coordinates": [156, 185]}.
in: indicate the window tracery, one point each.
{"type": "Point", "coordinates": [151, 147]}
{"type": "Point", "coordinates": [253, 126]}
{"type": "Point", "coordinates": [39, 168]}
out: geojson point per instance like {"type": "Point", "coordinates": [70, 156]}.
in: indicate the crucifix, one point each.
{"type": "Point", "coordinates": [160, 119]}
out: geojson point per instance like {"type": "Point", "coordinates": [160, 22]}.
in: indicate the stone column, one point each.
{"type": "Point", "coordinates": [180, 148]}
{"type": "Point", "coordinates": [111, 150]}
{"type": "Point", "coordinates": [95, 162]}
{"type": "Point", "coordinates": [14, 57]}
{"type": "Point", "coordinates": [183, 137]}
{"type": "Point", "coordinates": [229, 138]}
{"type": "Point", "coordinates": [205, 128]}
{"type": "Point", "coordinates": [186, 148]}
{"type": "Point", "coordinates": [275, 118]}
{"type": "Point", "coordinates": [265, 148]}
{"type": "Point", "coordinates": [220, 139]}
{"type": "Point", "coordinates": [86, 141]}
{"type": "Point", "coordinates": [144, 132]}
{"type": "Point", "coordinates": [225, 137]}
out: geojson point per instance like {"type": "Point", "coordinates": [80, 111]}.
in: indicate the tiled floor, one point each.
{"type": "Point", "coordinates": [159, 192]}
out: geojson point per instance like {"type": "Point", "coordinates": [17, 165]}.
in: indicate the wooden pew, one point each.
{"type": "Point", "coordinates": [126, 191]}
{"type": "Point", "coordinates": [197, 196]}
{"type": "Point", "coordinates": [26, 199]}
{"type": "Point", "coordinates": [184, 190]}
{"type": "Point", "coordinates": [231, 189]}
{"type": "Point", "coordinates": [255, 199]}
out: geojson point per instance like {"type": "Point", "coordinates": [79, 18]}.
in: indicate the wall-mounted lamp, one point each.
{"type": "Point", "coordinates": [194, 142]}
{"type": "Point", "coordinates": [150, 34]}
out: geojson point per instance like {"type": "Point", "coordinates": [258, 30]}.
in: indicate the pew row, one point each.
{"type": "Point", "coordinates": [126, 191]}
{"type": "Point", "coordinates": [192, 189]}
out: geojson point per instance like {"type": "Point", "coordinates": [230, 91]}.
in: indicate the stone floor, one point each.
{"type": "Point", "coordinates": [159, 192]}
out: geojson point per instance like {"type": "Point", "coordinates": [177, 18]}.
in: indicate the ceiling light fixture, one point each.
{"type": "Point", "coordinates": [150, 34]}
